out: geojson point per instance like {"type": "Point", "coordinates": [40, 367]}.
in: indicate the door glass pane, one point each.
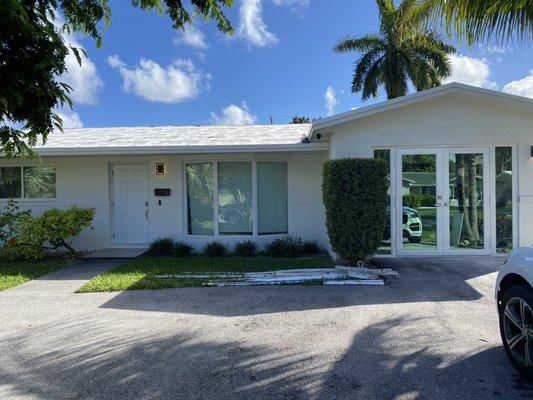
{"type": "Point", "coordinates": [200, 209]}
{"type": "Point", "coordinates": [235, 198]}
{"type": "Point", "coordinates": [10, 182]}
{"type": "Point", "coordinates": [39, 182]}
{"type": "Point", "coordinates": [272, 197]}
{"type": "Point", "coordinates": [466, 201]}
{"type": "Point", "coordinates": [419, 211]}
{"type": "Point", "coordinates": [385, 247]}
{"type": "Point", "coordinates": [504, 199]}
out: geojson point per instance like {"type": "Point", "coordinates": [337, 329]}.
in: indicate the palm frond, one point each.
{"type": "Point", "coordinates": [484, 20]}
{"type": "Point", "coordinates": [363, 44]}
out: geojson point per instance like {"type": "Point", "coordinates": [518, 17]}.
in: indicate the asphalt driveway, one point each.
{"type": "Point", "coordinates": [432, 333]}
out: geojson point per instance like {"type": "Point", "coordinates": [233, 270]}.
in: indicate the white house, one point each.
{"type": "Point", "coordinates": [231, 183]}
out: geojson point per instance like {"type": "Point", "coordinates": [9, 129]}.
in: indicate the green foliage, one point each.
{"type": "Point", "coordinates": [311, 247]}
{"type": "Point", "coordinates": [419, 200]}
{"type": "Point", "coordinates": [161, 247]}
{"type": "Point", "coordinates": [287, 246]}
{"type": "Point", "coordinates": [168, 247]}
{"type": "Point", "coordinates": [245, 249]}
{"type": "Point", "coordinates": [404, 50]}
{"type": "Point", "coordinates": [215, 249]}
{"type": "Point", "coordinates": [485, 20]}
{"type": "Point", "coordinates": [181, 249]}
{"type": "Point", "coordinates": [355, 197]}
{"type": "Point", "coordinates": [300, 120]}
{"type": "Point", "coordinates": [33, 49]}
{"type": "Point", "coordinates": [24, 236]}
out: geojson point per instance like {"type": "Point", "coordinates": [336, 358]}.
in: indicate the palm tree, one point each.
{"type": "Point", "coordinates": [478, 20]}
{"type": "Point", "coordinates": [404, 50]}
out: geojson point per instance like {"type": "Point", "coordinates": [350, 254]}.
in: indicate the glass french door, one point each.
{"type": "Point", "coordinates": [442, 201]}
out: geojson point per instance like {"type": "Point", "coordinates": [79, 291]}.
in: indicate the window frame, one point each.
{"type": "Point", "coordinates": [216, 233]}
{"type": "Point", "coordinates": [23, 199]}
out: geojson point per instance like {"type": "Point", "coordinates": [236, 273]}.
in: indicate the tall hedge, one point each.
{"type": "Point", "coordinates": [356, 199]}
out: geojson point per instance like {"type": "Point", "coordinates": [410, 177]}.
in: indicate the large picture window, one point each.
{"type": "Point", "coordinates": [272, 197]}
{"type": "Point", "coordinates": [36, 182]}
{"type": "Point", "coordinates": [200, 199]}
{"type": "Point", "coordinates": [230, 186]}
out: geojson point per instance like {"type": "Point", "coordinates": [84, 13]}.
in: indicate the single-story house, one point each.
{"type": "Point", "coordinates": [232, 183]}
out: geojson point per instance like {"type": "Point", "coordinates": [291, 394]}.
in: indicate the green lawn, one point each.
{"type": "Point", "coordinates": [140, 273]}
{"type": "Point", "coordinates": [15, 273]}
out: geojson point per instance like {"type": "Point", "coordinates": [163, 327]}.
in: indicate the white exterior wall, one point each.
{"type": "Point", "coordinates": [86, 181]}
{"type": "Point", "coordinates": [448, 121]}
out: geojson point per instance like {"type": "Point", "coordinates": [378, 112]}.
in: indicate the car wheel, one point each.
{"type": "Point", "coordinates": [413, 239]}
{"type": "Point", "coordinates": [516, 327]}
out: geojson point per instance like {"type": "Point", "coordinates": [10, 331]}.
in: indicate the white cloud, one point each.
{"type": "Point", "coordinates": [234, 115]}
{"type": "Point", "coordinates": [521, 87]}
{"type": "Point", "coordinates": [192, 37]}
{"type": "Point", "coordinates": [471, 71]}
{"type": "Point", "coordinates": [331, 100]}
{"type": "Point", "coordinates": [252, 28]}
{"type": "Point", "coordinates": [293, 4]}
{"type": "Point", "coordinates": [83, 79]}
{"type": "Point", "coordinates": [71, 119]}
{"type": "Point", "coordinates": [176, 82]}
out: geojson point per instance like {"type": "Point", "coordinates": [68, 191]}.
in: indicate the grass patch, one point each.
{"type": "Point", "coordinates": [16, 273]}
{"type": "Point", "coordinates": [140, 273]}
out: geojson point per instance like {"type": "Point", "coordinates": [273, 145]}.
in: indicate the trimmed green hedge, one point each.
{"type": "Point", "coordinates": [355, 197]}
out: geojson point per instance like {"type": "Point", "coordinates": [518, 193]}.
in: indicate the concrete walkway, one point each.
{"type": "Point", "coordinates": [430, 334]}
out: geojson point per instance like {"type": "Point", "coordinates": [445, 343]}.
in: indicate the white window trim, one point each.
{"type": "Point", "coordinates": [255, 227]}
{"type": "Point", "coordinates": [23, 199]}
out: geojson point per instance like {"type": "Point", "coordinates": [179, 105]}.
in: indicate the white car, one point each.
{"type": "Point", "coordinates": [514, 296]}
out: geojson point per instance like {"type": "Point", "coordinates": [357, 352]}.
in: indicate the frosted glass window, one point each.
{"type": "Point", "coordinates": [235, 198]}
{"type": "Point", "coordinates": [272, 197]}
{"type": "Point", "coordinates": [10, 182]}
{"type": "Point", "coordinates": [39, 182]}
{"type": "Point", "coordinates": [200, 209]}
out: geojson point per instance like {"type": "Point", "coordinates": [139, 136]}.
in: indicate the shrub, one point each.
{"type": "Point", "coordinates": [287, 246]}
{"type": "Point", "coordinates": [25, 236]}
{"type": "Point", "coordinates": [311, 247]}
{"type": "Point", "coordinates": [162, 247]}
{"type": "Point", "coordinates": [355, 198]}
{"type": "Point", "coordinates": [181, 249]}
{"type": "Point", "coordinates": [245, 249]}
{"type": "Point", "coordinates": [215, 249]}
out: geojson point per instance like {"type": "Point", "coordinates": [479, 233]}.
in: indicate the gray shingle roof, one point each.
{"type": "Point", "coordinates": [179, 136]}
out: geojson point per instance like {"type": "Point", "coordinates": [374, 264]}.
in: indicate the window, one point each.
{"type": "Point", "coordinates": [10, 182]}
{"type": "Point", "coordinates": [385, 247]}
{"type": "Point", "coordinates": [230, 186]}
{"type": "Point", "coordinates": [200, 199]}
{"type": "Point", "coordinates": [272, 197]}
{"type": "Point", "coordinates": [37, 182]}
{"type": "Point", "coordinates": [235, 198]}
{"type": "Point", "coordinates": [504, 199]}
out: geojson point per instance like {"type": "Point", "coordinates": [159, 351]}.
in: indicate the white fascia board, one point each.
{"type": "Point", "coordinates": [147, 150]}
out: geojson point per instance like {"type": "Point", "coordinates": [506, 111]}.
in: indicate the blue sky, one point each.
{"type": "Point", "coordinates": [279, 63]}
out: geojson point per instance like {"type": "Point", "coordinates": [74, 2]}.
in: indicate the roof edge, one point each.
{"type": "Point", "coordinates": [148, 150]}
{"type": "Point", "coordinates": [454, 87]}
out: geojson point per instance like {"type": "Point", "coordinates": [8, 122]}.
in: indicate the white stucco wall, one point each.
{"type": "Point", "coordinates": [86, 182]}
{"type": "Point", "coordinates": [453, 120]}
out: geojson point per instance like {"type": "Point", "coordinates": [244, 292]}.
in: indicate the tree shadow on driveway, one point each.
{"type": "Point", "coordinates": [420, 280]}
{"type": "Point", "coordinates": [385, 360]}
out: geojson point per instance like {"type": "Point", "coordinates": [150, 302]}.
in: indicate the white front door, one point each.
{"type": "Point", "coordinates": [442, 201]}
{"type": "Point", "coordinates": [130, 203]}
